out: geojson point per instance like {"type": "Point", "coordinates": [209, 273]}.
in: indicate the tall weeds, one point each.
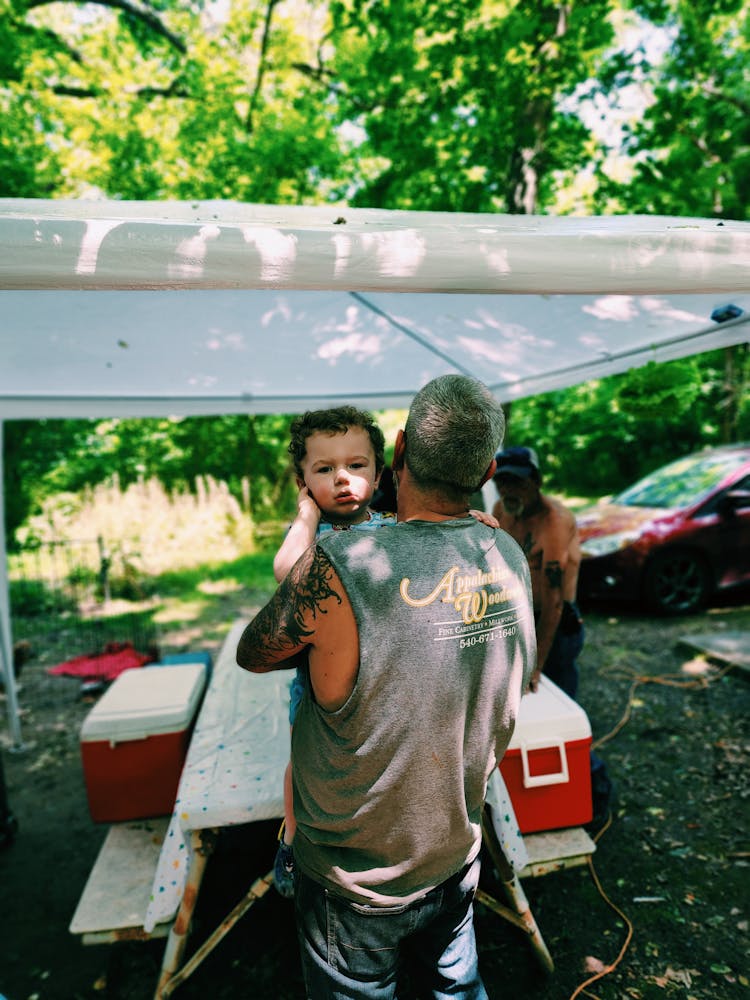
{"type": "Point", "coordinates": [144, 529]}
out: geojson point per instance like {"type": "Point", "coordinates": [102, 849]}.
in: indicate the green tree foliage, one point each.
{"type": "Point", "coordinates": [27, 166]}
{"type": "Point", "coordinates": [46, 457]}
{"type": "Point", "coordinates": [33, 451]}
{"type": "Point", "coordinates": [688, 153]}
{"type": "Point", "coordinates": [598, 437]}
{"type": "Point", "coordinates": [424, 104]}
{"type": "Point", "coordinates": [179, 100]}
{"type": "Point", "coordinates": [459, 105]}
{"type": "Point", "coordinates": [690, 149]}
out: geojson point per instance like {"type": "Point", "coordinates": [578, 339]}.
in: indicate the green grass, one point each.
{"type": "Point", "coordinates": [181, 609]}
{"type": "Point", "coordinates": [253, 572]}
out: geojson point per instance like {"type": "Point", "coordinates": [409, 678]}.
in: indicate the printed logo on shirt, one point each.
{"type": "Point", "coordinates": [483, 600]}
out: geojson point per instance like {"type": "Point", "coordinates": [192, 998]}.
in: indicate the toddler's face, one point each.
{"type": "Point", "coordinates": [339, 471]}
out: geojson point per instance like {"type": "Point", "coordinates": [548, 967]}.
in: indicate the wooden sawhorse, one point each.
{"type": "Point", "coordinates": [114, 901]}
{"type": "Point", "coordinates": [547, 852]}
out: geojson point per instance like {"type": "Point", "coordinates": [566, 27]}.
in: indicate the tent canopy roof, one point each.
{"type": "Point", "coordinates": [283, 308]}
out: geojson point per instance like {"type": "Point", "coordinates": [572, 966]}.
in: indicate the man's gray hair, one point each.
{"type": "Point", "coordinates": [455, 426]}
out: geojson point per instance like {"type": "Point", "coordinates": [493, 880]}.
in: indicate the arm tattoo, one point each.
{"type": "Point", "coordinates": [527, 544]}
{"type": "Point", "coordinates": [285, 624]}
{"type": "Point", "coordinates": [534, 558]}
{"type": "Point", "coordinates": [553, 572]}
{"type": "Point", "coordinates": [312, 587]}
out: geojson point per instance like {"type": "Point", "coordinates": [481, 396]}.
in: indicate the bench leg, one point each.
{"type": "Point", "coordinates": [520, 915]}
{"type": "Point", "coordinates": [202, 846]}
{"type": "Point", "coordinates": [256, 891]}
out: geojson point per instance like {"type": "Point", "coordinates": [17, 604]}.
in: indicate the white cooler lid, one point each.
{"type": "Point", "coordinates": [548, 714]}
{"type": "Point", "coordinates": [146, 701]}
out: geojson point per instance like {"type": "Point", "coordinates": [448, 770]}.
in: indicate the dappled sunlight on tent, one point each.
{"type": "Point", "coordinates": [94, 233]}
{"type": "Point", "coordinates": [190, 254]}
{"type": "Point", "coordinates": [122, 244]}
{"type": "Point", "coordinates": [210, 351]}
{"type": "Point", "coordinates": [278, 251]}
{"type": "Point", "coordinates": [612, 307]}
{"type": "Point", "coordinates": [399, 254]}
{"type": "Point", "coordinates": [354, 345]}
{"type": "Point", "coordinates": [666, 310]}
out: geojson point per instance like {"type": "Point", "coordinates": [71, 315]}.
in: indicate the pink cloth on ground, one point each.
{"type": "Point", "coordinates": [102, 666]}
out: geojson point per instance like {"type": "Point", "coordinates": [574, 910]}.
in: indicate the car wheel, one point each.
{"type": "Point", "coordinates": [676, 582]}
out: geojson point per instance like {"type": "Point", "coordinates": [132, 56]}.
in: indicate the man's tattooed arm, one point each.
{"type": "Point", "coordinates": [554, 573]}
{"type": "Point", "coordinates": [280, 633]}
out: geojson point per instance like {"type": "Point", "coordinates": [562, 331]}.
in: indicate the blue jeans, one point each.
{"type": "Point", "coordinates": [351, 951]}
{"type": "Point", "coordinates": [560, 665]}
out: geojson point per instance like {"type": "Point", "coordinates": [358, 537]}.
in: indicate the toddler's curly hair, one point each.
{"type": "Point", "coordinates": [335, 420]}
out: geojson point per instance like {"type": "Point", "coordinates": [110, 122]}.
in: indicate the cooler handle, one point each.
{"type": "Point", "coordinates": [554, 778]}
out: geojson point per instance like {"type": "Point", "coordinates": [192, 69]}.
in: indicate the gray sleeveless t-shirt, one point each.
{"type": "Point", "coordinates": [388, 790]}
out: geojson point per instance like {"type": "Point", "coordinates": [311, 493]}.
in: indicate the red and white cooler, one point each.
{"type": "Point", "coordinates": [135, 739]}
{"type": "Point", "coordinates": [546, 767]}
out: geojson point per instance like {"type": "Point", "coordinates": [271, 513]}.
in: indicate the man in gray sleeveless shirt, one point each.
{"type": "Point", "coordinates": [419, 640]}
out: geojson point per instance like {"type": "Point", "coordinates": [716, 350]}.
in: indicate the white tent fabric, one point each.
{"type": "Point", "coordinates": [74, 353]}
{"type": "Point", "coordinates": [152, 308]}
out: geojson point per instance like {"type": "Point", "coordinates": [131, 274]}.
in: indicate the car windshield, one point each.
{"type": "Point", "coordinates": [681, 483]}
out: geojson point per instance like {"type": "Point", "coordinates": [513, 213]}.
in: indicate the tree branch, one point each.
{"type": "Point", "coordinates": [137, 10]}
{"type": "Point", "coordinates": [323, 77]}
{"type": "Point", "coordinates": [63, 90]}
{"type": "Point", "coordinates": [50, 36]}
{"type": "Point", "coordinates": [175, 89]}
{"type": "Point", "coordinates": [262, 64]}
{"type": "Point", "coordinates": [732, 99]}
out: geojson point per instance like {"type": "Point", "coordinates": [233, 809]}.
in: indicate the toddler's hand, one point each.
{"type": "Point", "coordinates": [307, 510]}
{"type": "Point", "coordinates": [484, 518]}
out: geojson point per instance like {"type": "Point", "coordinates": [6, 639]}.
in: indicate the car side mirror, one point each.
{"type": "Point", "coordinates": [732, 501]}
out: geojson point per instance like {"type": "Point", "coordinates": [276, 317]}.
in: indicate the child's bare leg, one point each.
{"type": "Point", "coordinates": [290, 824]}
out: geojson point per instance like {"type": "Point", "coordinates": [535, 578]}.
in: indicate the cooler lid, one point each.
{"type": "Point", "coordinates": [549, 715]}
{"type": "Point", "coordinates": [146, 701]}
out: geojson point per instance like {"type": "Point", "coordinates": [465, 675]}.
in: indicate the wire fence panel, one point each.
{"type": "Point", "coordinates": [61, 604]}
{"type": "Point", "coordinates": [58, 577]}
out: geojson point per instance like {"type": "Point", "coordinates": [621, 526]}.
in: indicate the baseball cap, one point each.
{"type": "Point", "coordinates": [517, 461]}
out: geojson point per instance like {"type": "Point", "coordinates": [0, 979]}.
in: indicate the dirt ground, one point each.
{"type": "Point", "coordinates": [666, 903]}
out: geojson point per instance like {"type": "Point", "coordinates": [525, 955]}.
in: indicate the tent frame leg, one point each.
{"type": "Point", "coordinates": [519, 914]}
{"type": "Point", "coordinates": [203, 842]}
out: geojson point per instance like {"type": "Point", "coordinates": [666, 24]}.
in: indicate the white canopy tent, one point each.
{"type": "Point", "coordinates": [150, 308]}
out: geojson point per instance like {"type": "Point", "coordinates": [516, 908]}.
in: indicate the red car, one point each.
{"type": "Point", "coordinates": [676, 537]}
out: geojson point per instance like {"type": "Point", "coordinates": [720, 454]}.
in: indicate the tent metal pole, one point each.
{"type": "Point", "coordinates": [6, 644]}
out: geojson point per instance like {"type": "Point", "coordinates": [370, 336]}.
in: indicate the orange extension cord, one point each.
{"type": "Point", "coordinates": [669, 680]}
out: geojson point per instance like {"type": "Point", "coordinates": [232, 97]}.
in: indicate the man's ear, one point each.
{"type": "Point", "coordinates": [491, 470]}
{"type": "Point", "coordinates": [398, 451]}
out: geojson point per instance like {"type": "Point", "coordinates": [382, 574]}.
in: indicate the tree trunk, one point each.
{"type": "Point", "coordinates": [507, 407]}
{"type": "Point", "coordinates": [522, 189]}
{"type": "Point", "coordinates": [735, 382]}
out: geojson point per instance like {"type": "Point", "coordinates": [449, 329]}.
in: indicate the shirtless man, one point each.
{"type": "Point", "coordinates": [547, 533]}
